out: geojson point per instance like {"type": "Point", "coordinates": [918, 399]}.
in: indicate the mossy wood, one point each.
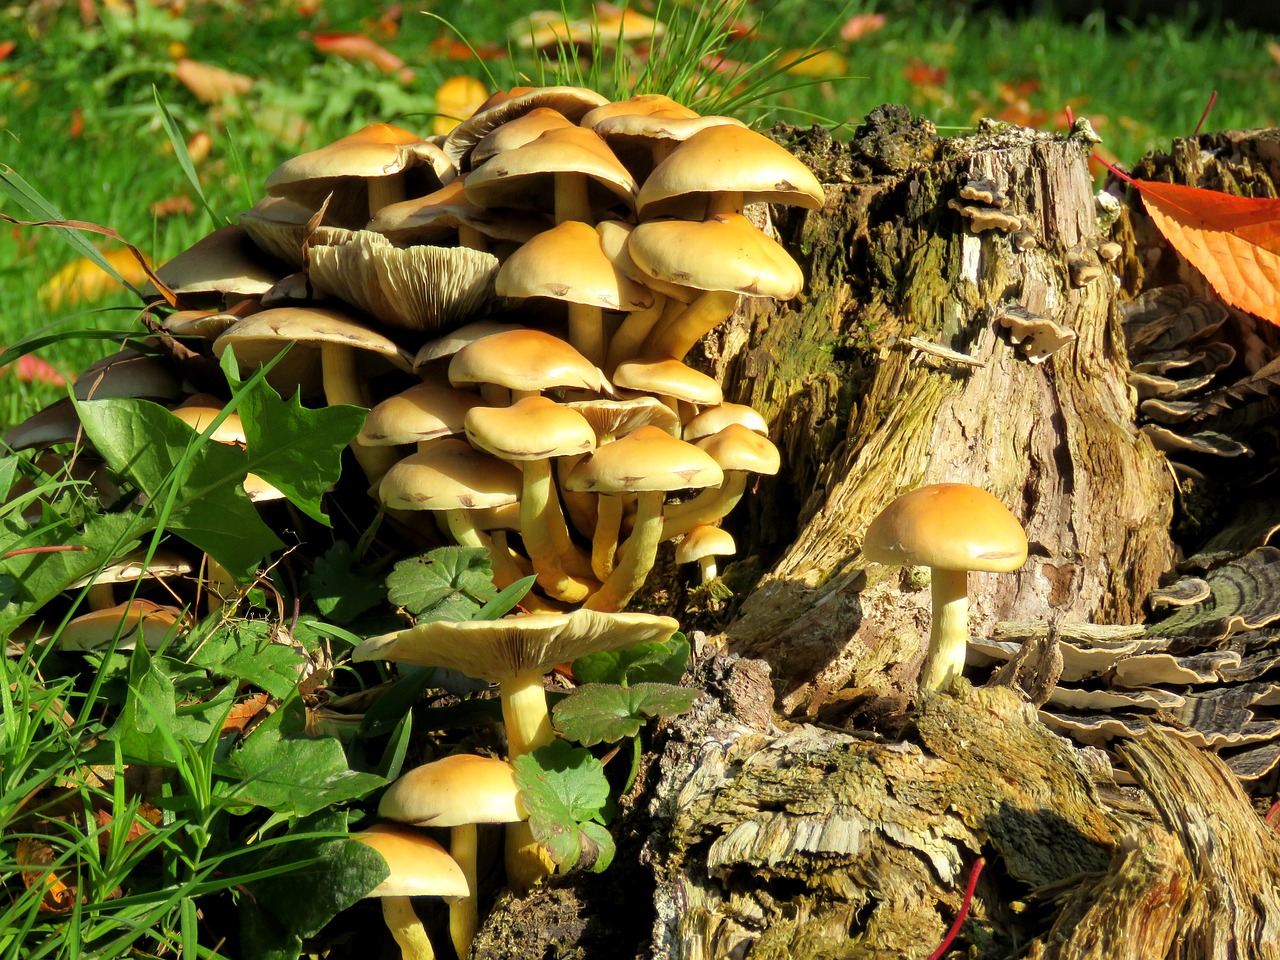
{"type": "Point", "coordinates": [894, 371]}
{"type": "Point", "coordinates": [808, 843]}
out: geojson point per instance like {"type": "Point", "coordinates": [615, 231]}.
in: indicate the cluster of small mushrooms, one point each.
{"type": "Point", "coordinates": [513, 303]}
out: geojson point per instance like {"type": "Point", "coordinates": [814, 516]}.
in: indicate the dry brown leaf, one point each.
{"type": "Point", "coordinates": [210, 84]}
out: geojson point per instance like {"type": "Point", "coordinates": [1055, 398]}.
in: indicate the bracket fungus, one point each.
{"type": "Point", "coordinates": [952, 528]}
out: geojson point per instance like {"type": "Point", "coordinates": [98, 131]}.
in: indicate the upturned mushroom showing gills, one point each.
{"type": "Point", "coordinates": [951, 528]}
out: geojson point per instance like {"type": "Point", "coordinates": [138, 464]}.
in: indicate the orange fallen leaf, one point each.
{"type": "Point", "coordinates": [36, 858]}
{"type": "Point", "coordinates": [1233, 241]}
{"type": "Point", "coordinates": [171, 207]}
{"type": "Point", "coordinates": [210, 84]}
{"type": "Point", "coordinates": [359, 48]}
{"type": "Point", "coordinates": [447, 48]}
{"type": "Point", "coordinates": [921, 74]}
{"type": "Point", "coordinates": [83, 279]}
{"type": "Point", "coordinates": [860, 25]}
{"type": "Point", "coordinates": [456, 99]}
{"type": "Point", "coordinates": [243, 712]}
{"type": "Point", "coordinates": [6, 47]}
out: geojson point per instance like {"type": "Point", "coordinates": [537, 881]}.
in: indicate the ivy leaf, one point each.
{"type": "Point", "coordinates": [606, 712]}
{"type": "Point", "coordinates": [447, 583]}
{"type": "Point", "coordinates": [146, 443]}
{"type": "Point", "coordinates": [296, 449]}
{"type": "Point", "coordinates": [295, 775]}
{"type": "Point", "coordinates": [322, 876]}
{"type": "Point", "coordinates": [251, 651]}
{"type": "Point", "coordinates": [662, 662]}
{"type": "Point", "coordinates": [342, 592]}
{"type": "Point", "coordinates": [564, 788]}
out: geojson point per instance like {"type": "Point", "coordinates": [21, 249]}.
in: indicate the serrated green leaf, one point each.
{"type": "Point", "coordinates": [447, 583]}
{"type": "Point", "coordinates": [663, 662]}
{"type": "Point", "coordinates": [341, 591]}
{"type": "Point", "coordinates": [295, 775]}
{"type": "Point", "coordinates": [606, 712]}
{"type": "Point", "coordinates": [252, 652]}
{"type": "Point", "coordinates": [146, 443]}
{"type": "Point", "coordinates": [562, 787]}
{"type": "Point", "coordinates": [332, 875]}
{"type": "Point", "coordinates": [296, 449]}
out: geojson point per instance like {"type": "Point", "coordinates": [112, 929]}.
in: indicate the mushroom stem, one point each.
{"type": "Point", "coordinates": [949, 634]}
{"type": "Point", "coordinates": [541, 523]}
{"type": "Point", "coordinates": [342, 385]}
{"type": "Point", "coordinates": [604, 542]}
{"type": "Point", "coordinates": [727, 201]}
{"type": "Point", "coordinates": [524, 713]}
{"type": "Point", "coordinates": [571, 198]}
{"type": "Point", "coordinates": [637, 558]}
{"type": "Point", "coordinates": [384, 191]}
{"type": "Point", "coordinates": [406, 926]}
{"type": "Point", "coordinates": [586, 331]}
{"type": "Point", "coordinates": [708, 506]}
{"type": "Point", "coordinates": [464, 913]}
{"type": "Point", "coordinates": [676, 336]}
{"type": "Point", "coordinates": [630, 338]}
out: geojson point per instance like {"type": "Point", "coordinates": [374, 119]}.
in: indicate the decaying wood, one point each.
{"type": "Point", "coordinates": [860, 419]}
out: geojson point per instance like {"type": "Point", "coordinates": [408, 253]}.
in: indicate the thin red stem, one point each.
{"type": "Point", "coordinates": [964, 909]}
{"type": "Point", "coordinates": [57, 549]}
{"type": "Point", "coordinates": [1213, 98]}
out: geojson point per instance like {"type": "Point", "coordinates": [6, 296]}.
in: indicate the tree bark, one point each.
{"type": "Point", "coordinates": [862, 415]}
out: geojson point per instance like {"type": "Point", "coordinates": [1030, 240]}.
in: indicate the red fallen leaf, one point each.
{"type": "Point", "coordinates": [76, 127]}
{"type": "Point", "coordinates": [359, 48]}
{"type": "Point", "coordinates": [921, 74]}
{"type": "Point", "coordinates": [31, 369]}
{"type": "Point", "coordinates": [446, 48]}
{"type": "Point", "coordinates": [1233, 241]}
{"type": "Point", "coordinates": [171, 206]}
{"type": "Point", "coordinates": [6, 47]}
{"type": "Point", "coordinates": [861, 25]}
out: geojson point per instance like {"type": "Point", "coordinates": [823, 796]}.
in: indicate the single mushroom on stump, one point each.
{"type": "Point", "coordinates": [951, 528]}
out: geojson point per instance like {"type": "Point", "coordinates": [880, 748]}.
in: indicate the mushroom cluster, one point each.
{"type": "Point", "coordinates": [514, 301]}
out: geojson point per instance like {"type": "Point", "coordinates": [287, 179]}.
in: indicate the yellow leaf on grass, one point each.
{"type": "Point", "coordinates": [456, 99]}
{"type": "Point", "coordinates": [210, 84]}
{"type": "Point", "coordinates": [83, 280]}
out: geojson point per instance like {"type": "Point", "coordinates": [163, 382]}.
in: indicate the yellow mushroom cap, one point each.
{"type": "Point", "coordinates": [951, 526]}
{"type": "Point", "coordinates": [454, 790]}
{"type": "Point", "coordinates": [420, 867]}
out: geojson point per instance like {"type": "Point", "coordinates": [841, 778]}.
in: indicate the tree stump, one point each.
{"type": "Point", "coordinates": [896, 371]}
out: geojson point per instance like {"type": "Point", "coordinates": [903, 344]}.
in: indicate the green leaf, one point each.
{"type": "Point", "coordinates": [296, 775]}
{"type": "Point", "coordinates": [448, 583]}
{"type": "Point", "coordinates": [507, 600]}
{"type": "Point", "coordinates": [251, 651]}
{"type": "Point", "coordinates": [151, 721]}
{"type": "Point", "coordinates": [146, 443]}
{"type": "Point", "coordinates": [606, 712]}
{"type": "Point", "coordinates": [295, 449]}
{"type": "Point", "coordinates": [331, 875]}
{"type": "Point", "coordinates": [663, 662]}
{"type": "Point", "coordinates": [562, 787]}
{"type": "Point", "coordinates": [341, 592]}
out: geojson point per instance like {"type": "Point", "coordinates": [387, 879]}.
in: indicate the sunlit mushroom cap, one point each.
{"type": "Point", "coordinates": [647, 459]}
{"type": "Point", "coordinates": [571, 102]}
{"type": "Point", "coordinates": [426, 411]}
{"type": "Point", "coordinates": [449, 474]}
{"type": "Point", "coordinates": [724, 253]}
{"type": "Point", "coordinates": [714, 419]}
{"type": "Point", "coordinates": [419, 866]}
{"type": "Point", "coordinates": [533, 428]}
{"type": "Point", "coordinates": [437, 217]}
{"type": "Point", "coordinates": [226, 262]}
{"type": "Point", "coordinates": [668, 378]}
{"type": "Point", "coordinates": [518, 132]}
{"type": "Point", "coordinates": [261, 336]}
{"type": "Point", "coordinates": [705, 541]}
{"type": "Point", "coordinates": [152, 622]}
{"type": "Point", "coordinates": [568, 263]}
{"type": "Point", "coordinates": [278, 225]}
{"type": "Point", "coordinates": [724, 158]}
{"type": "Point", "coordinates": [952, 526]}
{"type": "Point", "coordinates": [640, 105]}
{"type": "Point", "coordinates": [736, 447]}
{"type": "Point", "coordinates": [525, 360]}
{"type": "Point", "coordinates": [493, 650]}
{"type": "Point", "coordinates": [613, 418]}
{"type": "Point", "coordinates": [447, 344]}
{"type": "Point", "coordinates": [524, 177]}
{"type": "Point", "coordinates": [461, 788]}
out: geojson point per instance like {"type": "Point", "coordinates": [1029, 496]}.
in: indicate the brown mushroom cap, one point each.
{"type": "Point", "coordinates": [950, 526]}
{"type": "Point", "coordinates": [226, 263]}
{"type": "Point", "coordinates": [420, 867]}
{"type": "Point", "coordinates": [571, 102]}
{"type": "Point", "coordinates": [568, 263]}
{"type": "Point", "coordinates": [449, 474]}
{"type": "Point", "coordinates": [728, 159]}
{"type": "Point", "coordinates": [516, 133]}
{"type": "Point", "coordinates": [441, 217]}
{"type": "Point", "coordinates": [533, 428]}
{"type": "Point", "coordinates": [458, 789]}
{"type": "Point", "coordinates": [424, 412]}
